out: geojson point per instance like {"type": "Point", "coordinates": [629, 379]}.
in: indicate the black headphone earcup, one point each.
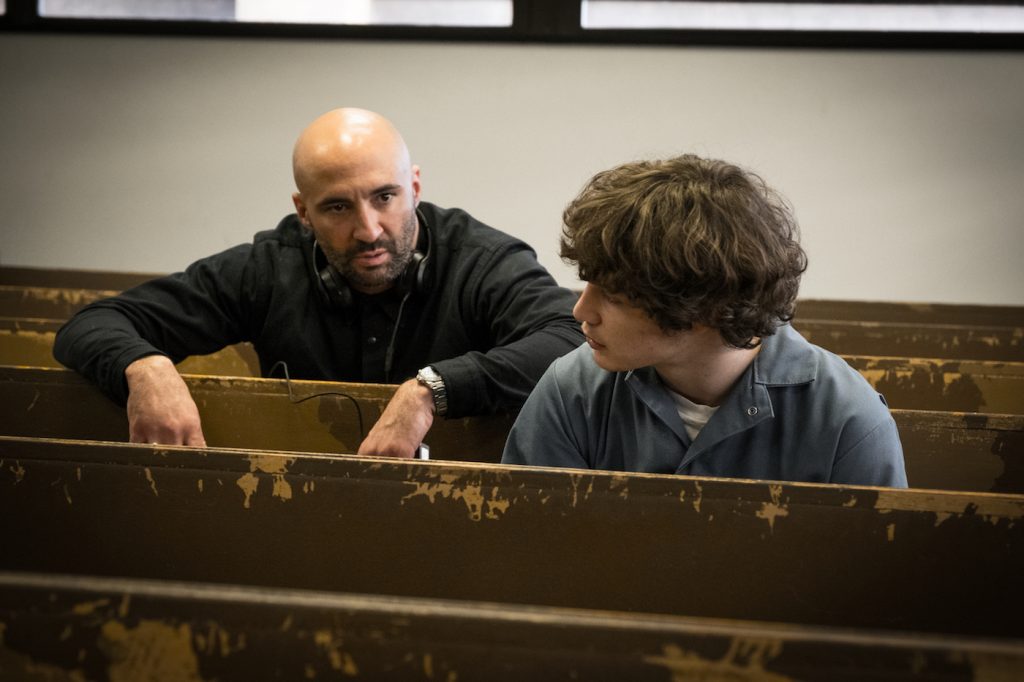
{"type": "Point", "coordinates": [416, 272]}
{"type": "Point", "coordinates": [414, 277]}
{"type": "Point", "coordinates": [335, 288]}
{"type": "Point", "coordinates": [332, 286]}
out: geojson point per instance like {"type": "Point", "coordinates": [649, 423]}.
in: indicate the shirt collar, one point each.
{"type": "Point", "coordinates": [785, 359]}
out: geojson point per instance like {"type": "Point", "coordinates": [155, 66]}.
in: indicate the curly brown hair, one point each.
{"type": "Point", "coordinates": [689, 241]}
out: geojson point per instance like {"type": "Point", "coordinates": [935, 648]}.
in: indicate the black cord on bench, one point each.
{"type": "Point", "coordinates": [296, 401]}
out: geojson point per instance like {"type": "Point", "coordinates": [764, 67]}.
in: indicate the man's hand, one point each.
{"type": "Point", "coordinates": [403, 424]}
{"type": "Point", "coordinates": [160, 408]}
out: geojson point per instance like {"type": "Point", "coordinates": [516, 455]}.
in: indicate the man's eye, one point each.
{"type": "Point", "coordinates": [385, 197]}
{"type": "Point", "coordinates": [336, 208]}
{"type": "Point", "coordinates": [614, 299]}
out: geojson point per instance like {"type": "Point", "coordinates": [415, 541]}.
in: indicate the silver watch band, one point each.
{"type": "Point", "coordinates": [432, 380]}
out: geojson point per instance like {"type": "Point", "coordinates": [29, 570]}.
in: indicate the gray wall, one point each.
{"type": "Point", "coordinates": [906, 168]}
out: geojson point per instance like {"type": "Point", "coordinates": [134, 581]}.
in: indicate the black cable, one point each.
{"type": "Point", "coordinates": [296, 401]}
{"type": "Point", "coordinates": [390, 355]}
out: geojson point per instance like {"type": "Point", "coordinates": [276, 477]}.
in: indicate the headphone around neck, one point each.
{"type": "Point", "coordinates": [338, 293]}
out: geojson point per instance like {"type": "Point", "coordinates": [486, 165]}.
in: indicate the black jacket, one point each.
{"type": "Point", "coordinates": [489, 318]}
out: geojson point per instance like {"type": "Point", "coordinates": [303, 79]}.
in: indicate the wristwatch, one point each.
{"type": "Point", "coordinates": [432, 380]}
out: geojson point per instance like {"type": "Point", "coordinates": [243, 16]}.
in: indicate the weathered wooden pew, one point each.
{"type": "Point", "coordinates": [72, 278]}
{"type": "Point", "coordinates": [911, 313]}
{"type": "Point", "coordinates": [807, 308]}
{"type": "Point", "coordinates": [909, 383]}
{"type": "Point", "coordinates": [949, 451]}
{"type": "Point", "coordinates": [312, 416]}
{"type": "Point", "coordinates": [946, 385]}
{"type": "Point", "coordinates": [85, 627]}
{"type": "Point", "coordinates": [993, 333]}
{"type": "Point", "coordinates": [947, 341]}
{"type": "Point", "coordinates": [47, 303]}
{"type": "Point", "coordinates": [29, 342]}
{"type": "Point", "coordinates": [901, 561]}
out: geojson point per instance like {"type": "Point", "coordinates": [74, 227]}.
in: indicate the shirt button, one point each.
{"type": "Point", "coordinates": [751, 411]}
{"type": "Point", "coordinates": [372, 340]}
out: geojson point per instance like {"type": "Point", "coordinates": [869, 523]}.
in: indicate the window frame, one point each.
{"type": "Point", "coordinates": [534, 21]}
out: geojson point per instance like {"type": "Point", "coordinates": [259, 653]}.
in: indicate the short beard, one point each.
{"type": "Point", "coordinates": [401, 251]}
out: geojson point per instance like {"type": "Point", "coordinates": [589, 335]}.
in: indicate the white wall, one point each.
{"type": "Point", "coordinates": [906, 168]}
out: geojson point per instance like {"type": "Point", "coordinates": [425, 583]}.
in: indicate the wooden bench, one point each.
{"type": "Point", "coordinates": [29, 342]}
{"type": "Point", "coordinates": [72, 278]}
{"type": "Point", "coordinates": [317, 416]}
{"type": "Point", "coordinates": [945, 385]}
{"type": "Point", "coordinates": [947, 341]}
{"type": "Point", "coordinates": [943, 450]}
{"type": "Point", "coordinates": [47, 303]}
{"type": "Point", "coordinates": [807, 308]}
{"type": "Point", "coordinates": [911, 313]}
{"type": "Point", "coordinates": [910, 383]}
{"type": "Point", "coordinates": [990, 333]}
{"type": "Point", "coordinates": [154, 629]}
{"type": "Point", "coordinates": [897, 561]}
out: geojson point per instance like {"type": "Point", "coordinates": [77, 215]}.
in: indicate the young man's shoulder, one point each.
{"type": "Point", "coordinates": [834, 381]}
{"type": "Point", "coordinates": [578, 378]}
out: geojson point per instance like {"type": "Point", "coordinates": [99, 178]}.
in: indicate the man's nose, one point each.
{"type": "Point", "coordinates": [368, 228]}
{"type": "Point", "coordinates": [583, 311]}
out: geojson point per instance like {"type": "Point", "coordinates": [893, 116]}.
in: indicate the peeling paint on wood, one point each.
{"type": "Point", "coordinates": [912, 313]}
{"type": "Point", "coordinates": [526, 535]}
{"type": "Point", "coordinates": [774, 509]}
{"type": "Point", "coordinates": [340, 659]}
{"type": "Point", "coordinates": [248, 483]}
{"type": "Point", "coordinates": [151, 650]}
{"type": "Point", "coordinates": [210, 632]}
{"type": "Point", "coordinates": [152, 483]}
{"type": "Point", "coordinates": [968, 451]}
{"type": "Point", "coordinates": [29, 342]}
{"type": "Point", "coordinates": [935, 384]}
{"type": "Point", "coordinates": [743, 662]}
{"type": "Point", "coordinates": [480, 503]}
{"type": "Point", "coordinates": [914, 340]}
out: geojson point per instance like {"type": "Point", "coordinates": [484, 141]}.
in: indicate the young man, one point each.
{"type": "Point", "coordinates": [691, 269]}
{"type": "Point", "coordinates": [364, 282]}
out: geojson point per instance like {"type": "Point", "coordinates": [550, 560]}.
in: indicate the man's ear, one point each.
{"type": "Point", "coordinates": [300, 209]}
{"type": "Point", "coordinates": [415, 185]}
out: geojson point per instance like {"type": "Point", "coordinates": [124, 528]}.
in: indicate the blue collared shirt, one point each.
{"type": "Point", "coordinates": [798, 413]}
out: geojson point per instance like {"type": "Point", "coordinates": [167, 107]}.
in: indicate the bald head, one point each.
{"type": "Point", "coordinates": [347, 141]}
{"type": "Point", "coordinates": [357, 194]}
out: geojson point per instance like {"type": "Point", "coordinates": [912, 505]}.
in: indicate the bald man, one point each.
{"type": "Point", "coordinates": [364, 282]}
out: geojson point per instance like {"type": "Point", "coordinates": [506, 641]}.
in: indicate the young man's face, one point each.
{"type": "Point", "coordinates": [622, 336]}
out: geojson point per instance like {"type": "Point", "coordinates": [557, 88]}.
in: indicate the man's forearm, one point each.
{"type": "Point", "coordinates": [99, 344]}
{"type": "Point", "coordinates": [501, 379]}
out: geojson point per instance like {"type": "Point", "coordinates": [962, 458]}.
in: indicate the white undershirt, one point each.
{"type": "Point", "coordinates": [694, 415]}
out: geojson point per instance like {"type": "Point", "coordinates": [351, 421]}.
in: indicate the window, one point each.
{"type": "Point", "coordinates": [352, 12]}
{"type": "Point", "coordinates": [381, 12]}
{"type": "Point", "coordinates": [208, 10]}
{"type": "Point", "coordinates": [942, 24]}
{"type": "Point", "coordinates": [834, 15]}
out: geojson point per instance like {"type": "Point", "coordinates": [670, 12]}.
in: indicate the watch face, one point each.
{"type": "Point", "coordinates": [432, 380]}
